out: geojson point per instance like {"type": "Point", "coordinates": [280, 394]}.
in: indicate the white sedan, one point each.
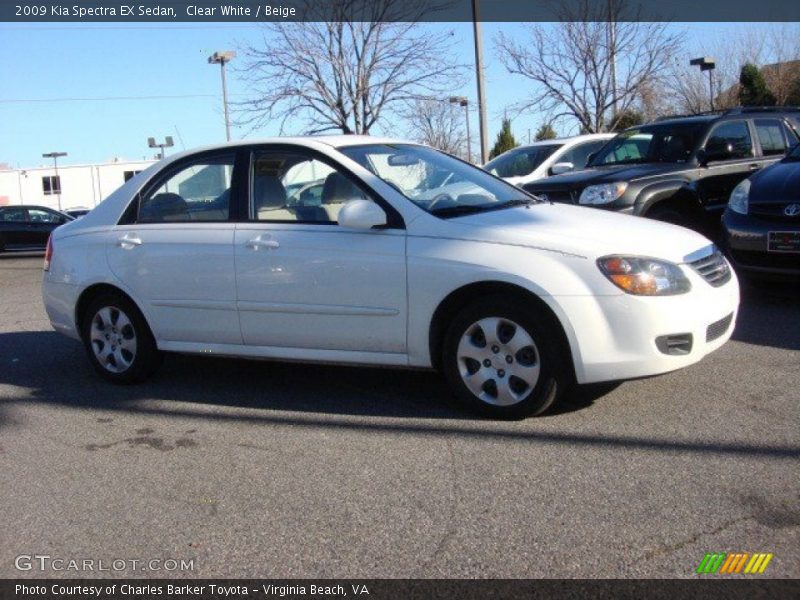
{"type": "Point", "coordinates": [511, 298]}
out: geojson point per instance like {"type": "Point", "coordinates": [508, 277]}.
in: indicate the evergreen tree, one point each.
{"type": "Point", "coordinates": [505, 140]}
{"type": "Point", "coordinates": [546, 132]}
{"type": "Point", "coordinates": [793, 98]}
{"type": "Point", "coordinates": [754, 90]}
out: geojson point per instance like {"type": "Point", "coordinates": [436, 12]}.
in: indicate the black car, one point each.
{"type": "Point", "coordinates": [681, 169]}
{"type": "Point", "coordinates": [761, 226]}
{"type": "Point", "coordinates": [28, 227]}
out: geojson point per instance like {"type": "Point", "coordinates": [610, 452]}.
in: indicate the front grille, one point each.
{"type": "Point", "coordinates": [713, 268]}
{"type": "Point", "coordinates": [773, 212]}
{"type": "Point", "coordinates": [718, 328]}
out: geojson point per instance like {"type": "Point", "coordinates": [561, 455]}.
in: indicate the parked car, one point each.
{"type": "Point", "coordinates": [513, 299]}
{"type": "Point", "coordinates": [761, 226]}
{"type": "Point", "coordinates": [27, 227]}
{"type": "Point", "coordinates": [680, 170]}
{"type": "Point", "coordinates": [77, 212]}
{"type": "Point", "coordinates": [549, 157]}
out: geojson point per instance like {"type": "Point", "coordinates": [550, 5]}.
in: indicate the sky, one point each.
{"type": "Point", "coordinates": [99, 91]}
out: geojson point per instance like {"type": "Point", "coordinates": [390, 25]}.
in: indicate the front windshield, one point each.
{"type": "Point", "coordinates": [434, 181]}
{"type": "Point", "coordinates": [656, 143]}
{"type": "Point", "coordinates": [520, 161]}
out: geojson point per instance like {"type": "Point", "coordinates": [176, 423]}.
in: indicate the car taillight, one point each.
{"type": "Point", "coordinates": [48, 253]}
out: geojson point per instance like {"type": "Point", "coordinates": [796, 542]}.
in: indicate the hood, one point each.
{"type": "Point", "coordinates": [582, 231]}
{"type": "Point", "coordinates": [597, 175]}
{"type": "Point", "coordinates": [777, 184]}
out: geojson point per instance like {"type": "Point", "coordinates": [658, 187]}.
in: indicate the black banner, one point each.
{"type": "Point", "coordinates": [198, 11]}
{"type": "Point", "coordinates": [380, 589]}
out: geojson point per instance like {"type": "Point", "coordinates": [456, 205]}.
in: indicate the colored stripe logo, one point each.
{"type": "Point", "coordinates": [734, 562]}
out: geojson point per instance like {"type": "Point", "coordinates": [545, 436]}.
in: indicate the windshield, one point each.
{"type": "Point", "coordinates": [657, 143]}
{"type": "Point", "coordinates": [520, 161]}
{"type": "Point", "coordinates": [434, 181]}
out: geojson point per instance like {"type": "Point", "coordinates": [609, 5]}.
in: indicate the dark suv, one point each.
{"type": "Point", "coordinates": [679, 169]}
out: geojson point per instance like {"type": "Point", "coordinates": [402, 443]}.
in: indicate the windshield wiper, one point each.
{"type": "Point", "coordinates": [467, 209]}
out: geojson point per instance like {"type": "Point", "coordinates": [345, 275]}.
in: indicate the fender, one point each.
{"type": "Point", "coordinates": [657, 192]}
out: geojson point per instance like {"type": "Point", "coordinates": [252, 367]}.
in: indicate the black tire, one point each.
{"type": "Point", "coordinates": [547, 352]}
{"type": "Point", "coordinates": [120, 366]}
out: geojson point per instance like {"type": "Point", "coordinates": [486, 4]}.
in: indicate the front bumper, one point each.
{"type": "Point", "coordinates": [744, 238]}
{"type": "Point", "coordinates": [621, 336]}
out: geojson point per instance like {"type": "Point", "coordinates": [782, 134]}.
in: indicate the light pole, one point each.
{"type": "Point", "coordinates": [706, 63]}
{"type": "Point", "coordinates": [221, 58]}
{"type": "Point", "coordinates": [479, 74]}
{"type": "Point", "coordinates": [55, 156]}
{"type": "Point", "coordinates": [168, 143]}
{"type": "Point", "coordinates": [462, 101]}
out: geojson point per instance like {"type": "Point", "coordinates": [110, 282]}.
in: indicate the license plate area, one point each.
{"type": "Point", "coordinates": [783, 241]}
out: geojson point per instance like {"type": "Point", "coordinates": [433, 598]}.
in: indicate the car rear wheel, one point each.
{"type": "Point", "coordinates": [118, 341]}
{"type": "Point", "coordinates": [503, 360]}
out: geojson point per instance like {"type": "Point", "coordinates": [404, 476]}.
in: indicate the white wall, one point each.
{"type": "Point", "coordinates": [81, 185]}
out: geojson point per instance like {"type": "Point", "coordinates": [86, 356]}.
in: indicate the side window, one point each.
{"type": "Point", "coordinates": [579, 155]}
{"type": "Point", "coordinates": [37, 215]}
{"type": "Point", "coordinates": [733, 136]}
{"type": "Point", "coordinates": [197, 192]}
{"type": "Point", "coordinates": [293, 188]}
{"type": "Point", "coordinates": [770, 136]}
{"type": "Point", "coordinates": [13, 215]}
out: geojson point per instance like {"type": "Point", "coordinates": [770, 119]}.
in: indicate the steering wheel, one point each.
{"type": "Point", "coordinates": [440, 199]}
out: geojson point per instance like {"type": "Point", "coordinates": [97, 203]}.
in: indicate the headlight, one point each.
{"type": "Point", "coordinates": [644, 276]}
{"type": "Point", "coordinates": [739, 197]}
{"type": "Point", "coordinates": [602, 194]}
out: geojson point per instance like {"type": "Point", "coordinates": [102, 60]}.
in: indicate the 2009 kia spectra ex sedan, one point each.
{"type": "Point", "coordinates": [356, 250]}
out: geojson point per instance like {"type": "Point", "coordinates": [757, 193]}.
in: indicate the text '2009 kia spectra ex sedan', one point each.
{"type": "Point", "coordinates": [342, 249]}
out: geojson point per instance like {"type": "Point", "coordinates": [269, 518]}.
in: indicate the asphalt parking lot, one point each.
{"type": "Point", "coordinates": [258, 469]}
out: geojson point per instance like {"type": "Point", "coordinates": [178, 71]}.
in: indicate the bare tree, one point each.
{"type": "Point", "coordinates": [368, 57]}
{"type": "Point", "coordinates": [439, 124]}
{"type": "Point", "coordinates": [588, 69]}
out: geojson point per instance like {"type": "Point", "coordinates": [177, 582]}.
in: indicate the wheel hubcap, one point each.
{"type": "Point", "coordinates": [113, 339]}
{"type": "Point", "coordinates": [498, 361]}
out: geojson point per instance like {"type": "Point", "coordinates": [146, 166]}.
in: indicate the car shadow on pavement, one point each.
{"type": "Point", "coordinates": [56, 370]}
{"type": "Point", "coordinates": [769, 315]}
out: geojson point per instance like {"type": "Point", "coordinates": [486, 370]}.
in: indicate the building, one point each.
{"type": "Point", "coordinates": [74, 186]}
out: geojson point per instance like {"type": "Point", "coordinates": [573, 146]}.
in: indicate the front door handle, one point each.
{"type": "Point", "coordinates": [129, 241]}
{"type": "Point", "coordinates": [755, 167]}
{"type": "Point", "coordinates": [262, 242]}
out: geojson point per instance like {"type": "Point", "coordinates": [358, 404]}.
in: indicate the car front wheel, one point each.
{"type": "Point", "coordinates": [118, 341]}
{"type": "Point", "coordinates": [504, 360]}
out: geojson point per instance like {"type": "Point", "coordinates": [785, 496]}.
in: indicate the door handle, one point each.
{"type": "Point", "coordinates": [261, 242]}
{"type": "Point", "coordinates": [129, 241]}
{"type": "Point", "coordinates": [755, 167]}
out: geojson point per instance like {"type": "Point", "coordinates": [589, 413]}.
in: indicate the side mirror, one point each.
{"type": "Point", "coordinates": [361, 214]}
{"type": "Point", "coordinates": [561, 167]}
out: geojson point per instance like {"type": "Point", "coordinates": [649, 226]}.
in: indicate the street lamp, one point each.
{"type": "Point", "coordinates": [462, 101]}
{"type": "Point", "coordinates": [168, 143]}
{"type": "Point", "coordinates": [55, 156]}
{"type": "Point", "coordinates": [221, 58]}
{"type": "Point", "coordinates": [706, 63]}
{"type": "Point", "coordinates": [476, 25]}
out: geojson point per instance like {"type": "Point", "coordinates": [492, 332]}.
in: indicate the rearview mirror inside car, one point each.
{"type": "Point", "coordinates": [402, 160]}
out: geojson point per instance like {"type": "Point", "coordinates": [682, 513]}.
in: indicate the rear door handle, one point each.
{"type": "Point", "coordinates": [129, 241]}
{"type": "Point", "coordinates": [262, 241]}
